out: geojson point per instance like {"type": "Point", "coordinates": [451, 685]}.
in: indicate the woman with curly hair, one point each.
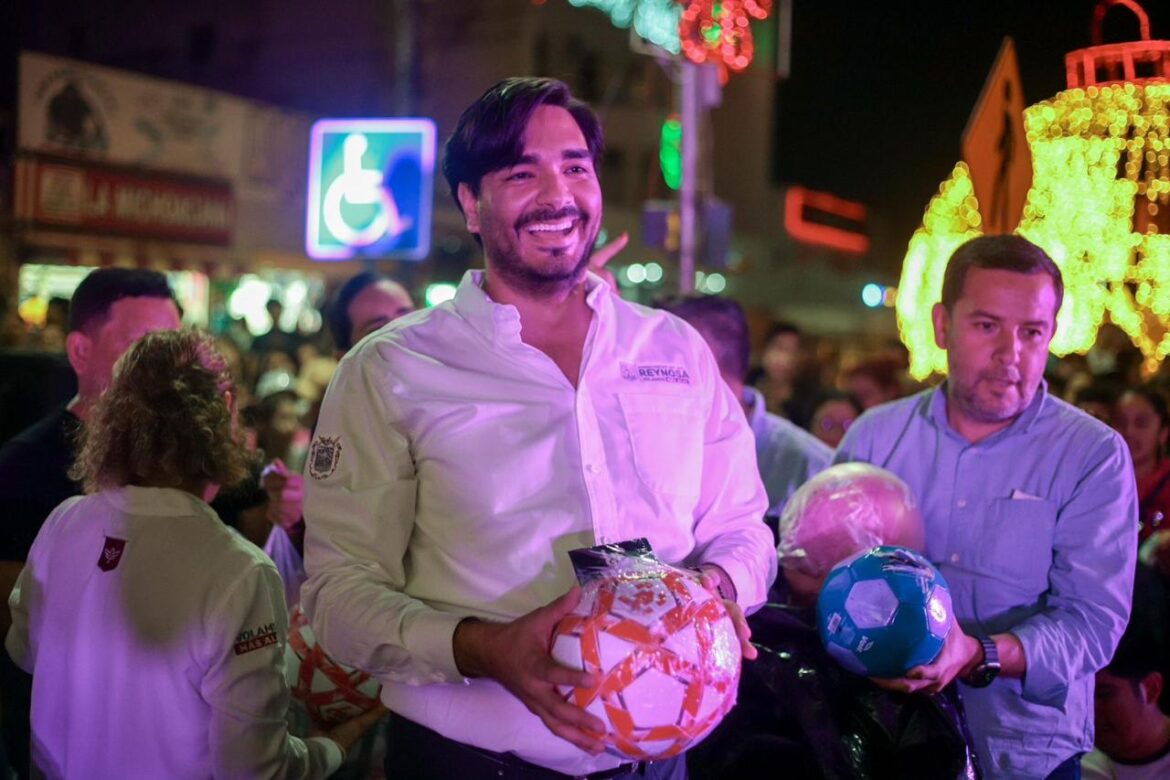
{"type": "Point", "coordinates": [154, 633]}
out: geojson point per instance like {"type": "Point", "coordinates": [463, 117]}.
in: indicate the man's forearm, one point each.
{"type": "Point", "coordinates": [1012, 661]}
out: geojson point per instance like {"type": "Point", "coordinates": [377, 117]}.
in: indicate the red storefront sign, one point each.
{"type": "Point", "coordinates": [110, 201]}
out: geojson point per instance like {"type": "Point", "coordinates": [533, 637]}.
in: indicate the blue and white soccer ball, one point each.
{"type": "Point", "coordinates": [884, 611]}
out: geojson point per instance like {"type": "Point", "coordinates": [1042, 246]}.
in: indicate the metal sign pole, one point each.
{"type": "Point", "coordinates": [690, 165]}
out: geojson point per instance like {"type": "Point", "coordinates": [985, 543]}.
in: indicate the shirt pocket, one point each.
{"type": "Point", "coordinates": [666, 435]}
{"type": "Point", "coordinates": [1017, 543]}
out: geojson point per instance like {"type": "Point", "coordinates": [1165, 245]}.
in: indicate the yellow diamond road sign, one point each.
{"type": "Point", "coordinates": [995, 146]}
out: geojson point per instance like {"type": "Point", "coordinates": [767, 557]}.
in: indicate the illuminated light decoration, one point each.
{"type": "Point", "coordinates": [719, 32]}
{"type": "Point", "coordinates": [654, 273]}
{"type": "Point", "coordinates": [670, 152]}
{"type": "Point", "coordinates": [1099, 205]}
{"type": "Point", "coordinates": [439, 292]}
{"type": "Point", "coordinates": [871, 295]}
{"type": "Point", "coordinates": [802, 205]}
{"type": "Point", "coordinates": [636, 273]}
{"type": "Point", "coordinates": [655, 20]}
{"type": "Point", "coordinates": [716, 283]}
{"type": "Point", "coordinates": [951, 218]}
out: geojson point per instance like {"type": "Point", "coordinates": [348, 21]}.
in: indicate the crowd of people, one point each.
{"type": "Point", "coordinates": [420, 509]}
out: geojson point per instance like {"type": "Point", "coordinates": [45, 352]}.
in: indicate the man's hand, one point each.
{"type": "Point", "coordinates": [516, 655]}
{"type": "Point", "coordinates": [603, 254]}
{"type": "Point", "coordinates": [714, 579]}
{"type": "Point", "coordinates": [286, 496]}
{"type": "Point", "coordinates": [959, 655]}
{"type": "Point", "coordinates": [348, 733]}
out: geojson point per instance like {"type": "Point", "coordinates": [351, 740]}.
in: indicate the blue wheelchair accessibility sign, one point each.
{"type": "Point", "coordinates": [371, 187]}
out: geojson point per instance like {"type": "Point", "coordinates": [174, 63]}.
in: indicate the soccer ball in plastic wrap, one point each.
{"type": "Point", "coordinates": [330, 692]}
{"type": "Point", "coordinates": [884, 611]}
{"type": "Point", "coordinates": [667, 656]}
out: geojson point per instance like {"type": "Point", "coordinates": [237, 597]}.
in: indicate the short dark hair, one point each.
{"type": "Point", "coordinates": [337, 312]}
{"type": "Point", "coordinates": [490, 133]}
{"type": "Point", "coordinates": [832, 394]}
{"type": "Point", "coordinates": [723, 321]}
{"type": "Point", "coordinates": [1003, 253]}
{"type": "Point", "coordinates": [1140, 651]}
{"type": "Point", "coordinates": [1154, 398]}
{"type": "Point", "coordinates": [782, 328]}
{"type": "Point", "coordinates": [97, 292]}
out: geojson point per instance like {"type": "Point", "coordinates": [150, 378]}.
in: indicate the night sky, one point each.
{"type": "Point", "coordinates": [880, 93]}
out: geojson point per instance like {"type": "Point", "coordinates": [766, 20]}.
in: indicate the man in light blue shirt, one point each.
{"type": "Point", "coordinates": [1030, 510]}
{"type": "Point", "coordinates": [787, 454]}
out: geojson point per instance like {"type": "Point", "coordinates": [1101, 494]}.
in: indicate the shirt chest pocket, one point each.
{"type": "Point", "coordinates": [666, 435]}
{"type": "Point", "coordinates": [1017, 543]}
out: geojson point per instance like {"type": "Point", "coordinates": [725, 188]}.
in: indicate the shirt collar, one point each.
{"type": "Point", "coordinates": [163, 502]}
{"type": "Point", "coordinates": [501, 321]}
{"type": "Point", "coordinates": [937, 412]}
{"type": "Point", "coordinates": [753, 399]}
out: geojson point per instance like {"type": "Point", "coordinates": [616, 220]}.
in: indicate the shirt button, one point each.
{"type": "Point", "coordinates": [954, 557]}
{"type": "Point", "coordinates": [962, 503]}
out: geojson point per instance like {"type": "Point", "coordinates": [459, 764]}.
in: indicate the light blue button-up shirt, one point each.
{"type": "Point", "coordinates": [1035, 530]}
{"type": "Point", "coordinates": [787, 454]}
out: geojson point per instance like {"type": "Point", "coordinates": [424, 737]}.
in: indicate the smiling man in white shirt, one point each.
{"type": "Point", "coordinates": [465, 449]}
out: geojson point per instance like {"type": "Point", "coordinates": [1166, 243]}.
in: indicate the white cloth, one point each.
{"type": "Point", "coordinates": [1098, 766]}
{"type": "Point", "coordinates": [168, 663]}
{"type": "Point", "coordinates": [455, 466]}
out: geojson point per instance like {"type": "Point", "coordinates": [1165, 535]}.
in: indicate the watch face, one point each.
{"type": "Point", "coordinates": [983, 676]}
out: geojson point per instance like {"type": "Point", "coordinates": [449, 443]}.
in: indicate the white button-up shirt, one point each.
{"type": "Point", "coordinates": [155, 636]}
{"type": "Point", "coordinates": [455, 466]}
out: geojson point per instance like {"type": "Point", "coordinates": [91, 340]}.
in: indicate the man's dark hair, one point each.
{"type": "Point", "coordinates": [1002, 253]}
{"type": "Point", "coordinates": [1154, 398]}
{"type": "Point", "coordinates": [1140, 651]}
{"type": "Point", "coordinates": [337, 312]}
{"type": "Point", "coordinates": [490, 134]}
{"type": "Point", "coordinates": [97, 292]}
{"type": "Point", "coordinates": [782, 328]}
{"type": "Point", "coordinates": [722, 322]}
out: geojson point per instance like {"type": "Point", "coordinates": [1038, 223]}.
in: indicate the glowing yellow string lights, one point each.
{"type": "Point", "coordinates": [1099, 205]}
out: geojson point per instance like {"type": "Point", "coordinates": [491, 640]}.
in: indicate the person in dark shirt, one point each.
{"type": "Point", "coordinates": [111, 309]}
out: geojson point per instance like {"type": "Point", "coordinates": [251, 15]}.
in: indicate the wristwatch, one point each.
{"type": "Point", "coordinates": [988, 669]}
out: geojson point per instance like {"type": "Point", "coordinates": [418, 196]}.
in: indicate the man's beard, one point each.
{"type": "Point", "coordinates": [536, 281]}
{"type": "Point", "coordinates": [967, 396]}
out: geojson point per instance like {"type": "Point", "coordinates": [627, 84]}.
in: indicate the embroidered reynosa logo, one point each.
{"type": "Point", "coordinates": [655, 372]}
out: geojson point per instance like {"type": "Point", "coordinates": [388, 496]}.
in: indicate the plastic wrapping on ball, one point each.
{"type": "Point", "coordinates": [329, 691]}
{"type": "Point", "coordinates": [664, 650]}
{"type": "Point", "coordinates": [884, 611]}
{"type": "Point", "coordinates": [842, 510]}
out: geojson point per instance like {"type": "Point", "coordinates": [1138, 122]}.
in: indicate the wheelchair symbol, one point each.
{"type": "Point", "coordinates": [361, 187]}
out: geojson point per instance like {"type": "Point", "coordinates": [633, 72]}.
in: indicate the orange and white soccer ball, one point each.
{"type": "Point", "coordinates": [667, 656]}
{"type": "Point", "coordinates": [330, 692]}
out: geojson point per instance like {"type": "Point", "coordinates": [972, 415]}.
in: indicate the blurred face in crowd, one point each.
{"type": "Point", "coordinates": [1124, 711]}
{"type": "Point", "coordinates": [831, 420]}
{"type": "Point", "coordinates": [286, 418]}
{"type": "Point", "coordinates": [868, 391]}
{"type": "Point", "coordinates": [376, 305]}
{"type": "Point", "coordinates": [1139, 424]}
{"type": "Point", "coordinates": [780, 354]}
{"type": "Point", "coordinates": [538, 219]}
{"type": "Point", "coordinates": [93, 352]}
{"type": "Point", "coordinates": [996, 336]}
